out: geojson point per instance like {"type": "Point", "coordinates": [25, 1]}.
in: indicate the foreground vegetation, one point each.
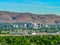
{"type": "Point", "coordinates": [30, 40]}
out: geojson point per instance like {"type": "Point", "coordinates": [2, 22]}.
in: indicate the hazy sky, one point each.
{"type": "Point", "coordinates": [32, 6]}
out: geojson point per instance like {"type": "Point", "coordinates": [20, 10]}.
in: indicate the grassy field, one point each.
{"type": "Point", "coordinates": [30, 40]}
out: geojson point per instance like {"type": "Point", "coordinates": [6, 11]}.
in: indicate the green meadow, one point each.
{"type": "Point", "coordinates": [30, 40]}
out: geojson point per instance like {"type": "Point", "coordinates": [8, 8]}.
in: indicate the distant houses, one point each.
{"type": "Point", "coordinates": [27, 25]}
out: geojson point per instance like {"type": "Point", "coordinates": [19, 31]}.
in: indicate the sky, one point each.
{"type": "Point", "coordinates": [31, 6]}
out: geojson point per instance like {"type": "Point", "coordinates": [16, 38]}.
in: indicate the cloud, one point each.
{"type": "Point", "coordinates": [30, 5]}
{"type": "Point", "coordinates": [49, 6]}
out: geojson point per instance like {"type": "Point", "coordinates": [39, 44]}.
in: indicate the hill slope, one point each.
{"type": "Point", "coordinates": [6, 16]}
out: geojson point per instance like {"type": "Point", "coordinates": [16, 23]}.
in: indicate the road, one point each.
{"type": "Point", "coordinates": [31, 34]}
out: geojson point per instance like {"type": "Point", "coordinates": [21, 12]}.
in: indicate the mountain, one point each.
{"type": "Point", "coordinates": [6, 16]}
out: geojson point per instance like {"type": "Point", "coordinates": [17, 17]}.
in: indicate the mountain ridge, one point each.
{"type": "Point", "coordinates": [6, 16]}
